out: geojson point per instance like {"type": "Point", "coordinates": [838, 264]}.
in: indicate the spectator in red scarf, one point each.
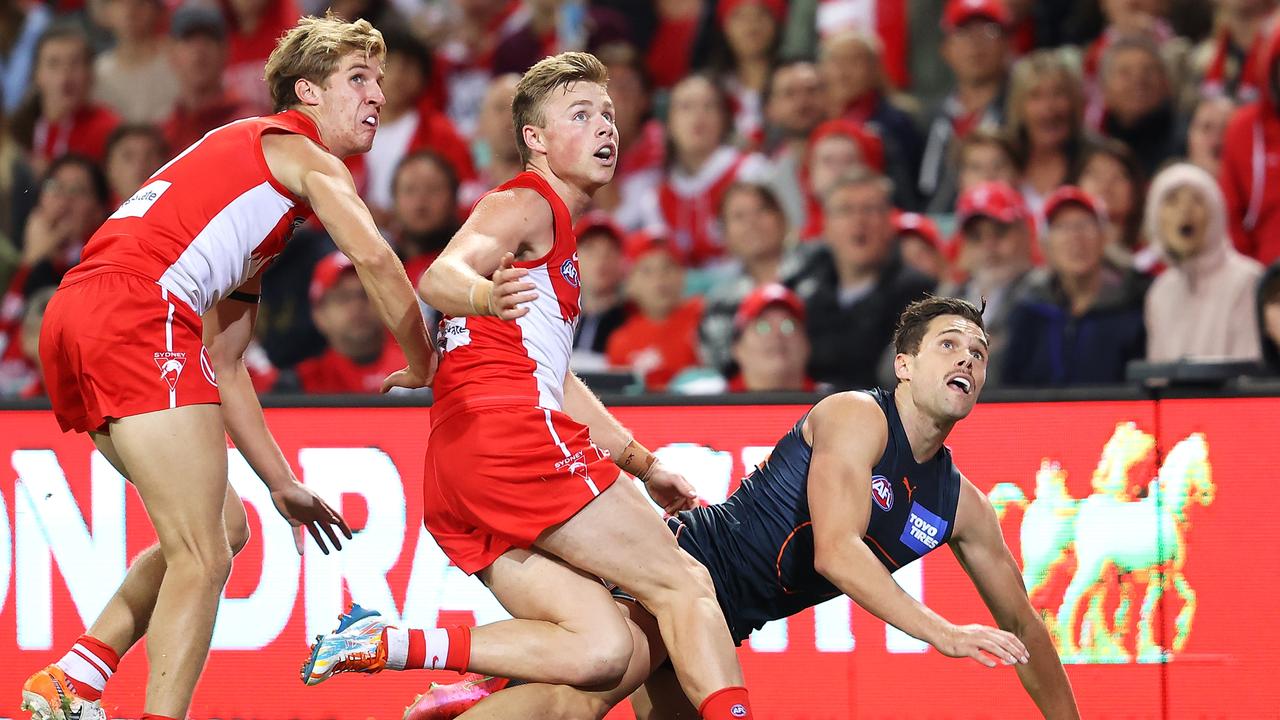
{"type": "Point", "coordinates": [198, 54]}
{"type": "Point", "coordinates": [361, 353]}
{"type": "Point", "coordinates": [1227, 60]}
{"type": "Point", "coordinates": [857, 90]}
{"type": "Point", "coordinates": [134, 153]}
{"type": "Point", "coordinates": [701, 163]}
{"type": "Point", "coordinates": [58, 117]}
{"type": "Point", "coordinates": [836, 147]}
{"type": "Point", "coordinates": [1250, 182]}
{"type": "Point", "coordinates": [1206, 132]}
{"type": "Point", "coordinates": [746, 48]}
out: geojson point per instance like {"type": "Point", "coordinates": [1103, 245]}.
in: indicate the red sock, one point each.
{"type": "Point", "coordinates": [89, 665]}
{"type": "Point", "coordinates": [729, 703]}
{"type": "Point", "coordinates": [441, 649]}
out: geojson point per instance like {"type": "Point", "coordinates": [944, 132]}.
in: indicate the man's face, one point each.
{"type": "Point", "coordinates": [1075, 243]}
{"type": "Point", "coordinates": [579, 135]}
{"type": "Point", "coordinates": [131, 162]}
{"type": "Point", "coordinates": [62, 73]}
{"type": "Point", "coordinates": [347, 320]}
{"type": "Point", "coordinates": [752, 229]}
{"type": "Point", "coordinates": [831, 157]}
{"type": "Point", "coordinates": [132, 19]}
{"type": "Point", "coordinates": [976, 51]}
{"type": "Point", "coordinates": [795, 100]}
{"type": "Point", "coordinates": [772, 351]}
{"type": "Point", "coordinates": [349, 103]}
{"type": "Point", "coordinates": [422, 198]}
{"type": "Point", "coordinates": [601, 262]}
{"type": "Point", "coordinates": [198, 61]}
{"type": "Point", "coordinates": [69, 193]}
{"type": "Point", "coordinates": [996, 252]}
{"type": "Point", "coordinates": [949, 371]}
{"type": "Point", "coordinates": [656, 284]}
{"type": "Point", "coordinates": [985, 162]}
{"type": "Point", "coordinates": [849, 69]}
{"type": "Point", "coordinates": [1134, 84]}
{"type": "Point", "coordinates": [858, 225]}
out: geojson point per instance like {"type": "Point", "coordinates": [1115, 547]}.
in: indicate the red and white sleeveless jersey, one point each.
{"type": "Point", "coordinates": [208, 220]}
{"type": "Point", "coordinates": [488, 361]}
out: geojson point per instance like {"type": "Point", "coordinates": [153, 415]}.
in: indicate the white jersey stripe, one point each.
{"type": "Point", "coordinates": [168, 346]}
{"type": "Point", "coordinates": [555, 437]}
{"type": "Point", "coordinates": [547, 338]}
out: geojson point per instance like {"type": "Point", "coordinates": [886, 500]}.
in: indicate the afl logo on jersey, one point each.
{"type": "Point", "coordinates": [570, 272]}
{"type": "Point", "coordinates": [882, 492]}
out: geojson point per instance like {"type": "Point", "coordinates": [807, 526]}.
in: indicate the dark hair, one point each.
{"type": "Point", "coordinates": [982, 136]}
{"type": "Point", "coordinates": [27, 115]}
{"type": "Point", "coordinates": [723, 101]}
{"type": "Point", "coordinates": [766, 195]}
{"type": "Point", "coordinates": [767, 92]}
{"type": "Point", "coordinates": [125, 131]}
{"type": "Point", "coordinates": [403, 42]}
{"type": "Point", "coordinates": [432, 157]}
{"type": "Point", "coordinates": [101, 191]}
{"type": "Point", "coordinates": [1121, 153]}
{"type": "Point", "coordinates": [915, 320]}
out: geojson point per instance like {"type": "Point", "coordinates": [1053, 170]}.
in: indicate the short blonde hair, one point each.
{"type": "Point", "coordinates": [312, 50]}
{"type": "Point", "coordinates": [544, 78]}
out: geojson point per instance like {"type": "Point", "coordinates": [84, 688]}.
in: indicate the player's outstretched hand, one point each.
{"type": "Point", "coordinates": [511, 294]}
{"type": "Point", "coordinates": [408, 378]}
{"type": "Point", "coordinates": [298, 504]}
{"type": "Point", "coordinates": [987, 645]}
{"type": "Point", "coordinates": [670, 490]}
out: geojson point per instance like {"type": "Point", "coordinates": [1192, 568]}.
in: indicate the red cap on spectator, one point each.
{"type": "Point", "coordinates": [776, 8]}
{"type": "Point", "coordinates": [959, 12]}
{"type": "Point", "coordinates": [918, 225]}
{"type": "Point", "coordinates": [599, 221]}
{"type": "Point", "coordinates": [993, 199]}
{"type": "Point", "coordinates": [763, 298]}
{"type": "Point", "coordinates": [327, 273]}
{"type": "Point", "coordinates": [641, 243]}
{"type": "Point", "coordinates": [868, 142]}
{"type": "Point", "coordinates": [1072, 195]}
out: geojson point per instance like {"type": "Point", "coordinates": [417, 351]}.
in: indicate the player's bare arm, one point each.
{"type": "Point", "coordinates": [228, 328]}
{"type": "Point", "coordinates": [979, 546]}
{"type": "Point", "coordinates": [325, 183]}
{"type": "Point", "coordinates": [667, 488]}
{"type": "Point", "coordinates": [474, 273]}
{"type": "Point", "coordinates": [848, 436]}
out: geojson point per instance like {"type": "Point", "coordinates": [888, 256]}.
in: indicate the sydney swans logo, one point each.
{"type": "Point", "coordinates": [1121, 542]}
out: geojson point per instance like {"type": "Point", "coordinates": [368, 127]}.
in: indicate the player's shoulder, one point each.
{"type": "Point", "coordinates": [298, 148]}
{"type": "Point", "coordinates": [518, 206]}
{"type": "Point", "coordinates": [849, 414]}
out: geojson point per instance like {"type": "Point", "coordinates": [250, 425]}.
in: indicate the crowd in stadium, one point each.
{"type": "Point", "coordinates": [1104, 173]}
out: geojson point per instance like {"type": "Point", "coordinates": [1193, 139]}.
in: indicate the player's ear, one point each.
{"type": "Point", "coordinates": [307, 91]}
{"type": "Point", "coordinates": [533, 138]}
{"type": "Point", "coordinates": [902, 366]}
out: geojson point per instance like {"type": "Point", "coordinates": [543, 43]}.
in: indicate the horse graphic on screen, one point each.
{"type": "Point", "coordinates": [1110, 532]}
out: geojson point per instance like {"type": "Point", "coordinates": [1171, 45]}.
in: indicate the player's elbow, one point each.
{"type": "Point", "coordinates": [429, 284]}
{"type": "Point", "coordinates": [374, 258]}
{"type": "Point", "coordinates": [826, 557]}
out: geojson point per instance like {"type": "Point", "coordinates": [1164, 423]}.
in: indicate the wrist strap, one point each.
{"type": "Point", "coordinates": [637, 460]}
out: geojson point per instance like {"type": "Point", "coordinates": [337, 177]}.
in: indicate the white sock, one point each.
{"type": "Point", "coordinates": [411, 649]}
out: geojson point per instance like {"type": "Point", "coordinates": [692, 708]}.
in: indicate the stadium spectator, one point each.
{"type": "Point", "coordinates": [58, 117]}
{"type": "Point", "coordinates": [1125, 19]}
{"type": "Point", "coordinates": [134, 78]}
{"type": "Point", "coordinates": [134, 152]}
{"type": "Point", "coordinates": [464, 43]}
{"type": "Point", "coordinates": [1250, 185]}
{"type": "Point", "coordinates": [641, 139]}
{"type": "Point", "coordinates": [670, 49]}
{"type": "Point", "coordinates": [701, 163]}
{"type": "Point", "coordinates": [748, 34]}
{"type": "Point", "coordinates": [603, 272]}
{"type": "Point", "coordinates": [382, 14]}
{"type": "Point", "coordinates": [493, 152]}
{"type": "Point", "coordinates": [661, 338]}
{"type": "Point", "coordinates": [72, 204]}
{"type": "Point", "coordinates": [1080, 321]}
{"type": "Point", "coordinates": [1111, 174]}
{"type": "Point", "coordinates": [770, 350]}
{"type": "Point", "coordinates": [1138, 98]}
{"type": "Point", "coordinates": [854, 79]}
{"type": "Point", "coordinates": [920, 244]}
{"type": "Point", "coordinates": [996, 233]}
{"type": "Point", "coordinates": [984, 156]}
{"type": "Point", "coordinates": [1204, 305]}
{"type": "Point", "coordinates": [19, 350]}
{"type": "Point", "coordinates": [755, 233]}
{"type": "Point", "coordinates": [255, 26]}
{"type": "Point", "coordinates": [855, 285]}
{"type": "Point", "coordinates": [361, 353]}
{"type": "Point", "coordinates": [836, 148]}
{"type": "Point", "coordinates": [1226, 62]}
{"type": "Point", "coordinates": [21, 25]}
{"type": "Point", "coordinates": [546, 27]}
{"type": "Point", "coordinates": [198, 54]}
{"type": "Point", "coordinates": [976, 48]}
{"type": "Point", "coordinates": [1045, 124]}
{"type": "Point", "coordinates": [17, 196]}
{"type": "Point", "coordinates": [1269, 318]}
{"type": "Point", "coordinates": [793, 107]}
{"type": "Point", "coordinates": [424, 210]}
{"type": "Point", "coordinates": [407, 122]}
{"type": "Point", "coordinates": [1205, 134]}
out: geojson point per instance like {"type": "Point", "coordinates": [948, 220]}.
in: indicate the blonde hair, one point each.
{"type": "Point", "coordinates": [544, 78]}
{"type": "Point", "coordinates": [312, 49]}
{"type": "Point", "coordinates": [1028, 72]}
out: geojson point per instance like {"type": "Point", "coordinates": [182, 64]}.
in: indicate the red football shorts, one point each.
{"type": "Point", "coordinates": [496, 477]}
{"type": "Point", "coordinates": [114, 345]}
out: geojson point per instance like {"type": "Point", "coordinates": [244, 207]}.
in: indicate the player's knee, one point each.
{"type": "Point", "coordinates": [682, 580]}
{"type": "Point", "coordinates": [202, 561]}
{"type": "Point", "coordinates": [604, 661]}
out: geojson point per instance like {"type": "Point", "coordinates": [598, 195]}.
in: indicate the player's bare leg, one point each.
{"type": "Point", "coordinates": [660, 698]}
{"type": "Point", "coordinates": [642, 557]}
{"type": "Point", "coordinates": [126, 615]}
{"type": "Point", "coordinates": [177, 460]}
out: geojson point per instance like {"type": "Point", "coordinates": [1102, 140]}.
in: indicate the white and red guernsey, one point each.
{"type": "Point", "coordinates": [488, 361]}
{"type": "Point", "coordinates": [208, 220]}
